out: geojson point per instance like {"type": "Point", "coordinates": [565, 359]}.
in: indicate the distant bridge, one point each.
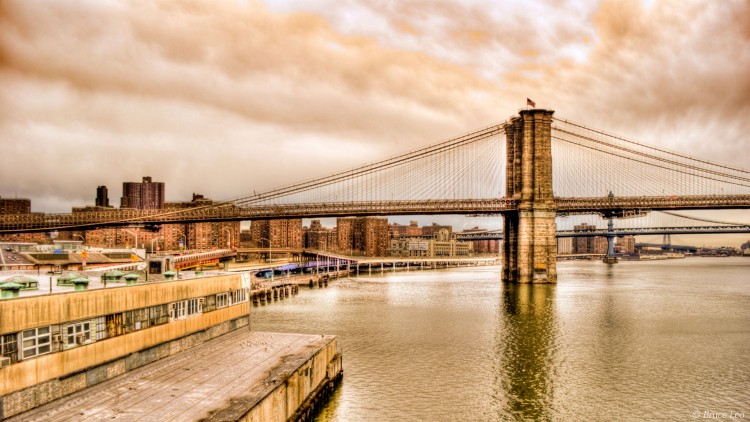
{"type": "Point", "coordinates": [619, 232]}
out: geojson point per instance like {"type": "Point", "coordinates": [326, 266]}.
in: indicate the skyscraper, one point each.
{"type": "Point", "coordinates": [146, 195]}
{"type": "Point", "coordinates": [102, 197]}
{"type": "Point", "coordinates": [364, 235]}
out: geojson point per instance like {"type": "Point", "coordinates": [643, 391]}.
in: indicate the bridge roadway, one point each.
{"type": "Point", "coordinates": [40, 222]}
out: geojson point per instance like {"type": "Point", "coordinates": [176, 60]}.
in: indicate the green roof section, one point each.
{"type": "Point", "coordinates": [70, 276]}
{"type": "Point", "coordinates": [113, 275]}
{"type": "Point", "coordinates": [22, 279]}
{"type": "Point", "coordinates": [80, 280]}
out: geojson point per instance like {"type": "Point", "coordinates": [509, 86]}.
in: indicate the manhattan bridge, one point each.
{"type": "Point", "coordinates": [535, 170]}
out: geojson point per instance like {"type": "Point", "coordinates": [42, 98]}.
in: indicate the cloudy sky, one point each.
{"type": "Point", "coordinates": [229, 97]}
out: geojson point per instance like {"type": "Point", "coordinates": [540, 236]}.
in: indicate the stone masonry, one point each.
{"type": "Point", "coordinates": [529, 244]}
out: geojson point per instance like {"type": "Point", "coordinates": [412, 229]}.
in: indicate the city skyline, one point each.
{"type": "Point", "coordinates": [210, 100]}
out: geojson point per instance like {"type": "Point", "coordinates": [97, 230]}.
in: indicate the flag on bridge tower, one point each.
{"type": "Point", "coordinates": [530, 103]}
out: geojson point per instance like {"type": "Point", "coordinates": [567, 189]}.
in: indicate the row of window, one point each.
{"type": "Point", "coordinates": [42, 340]}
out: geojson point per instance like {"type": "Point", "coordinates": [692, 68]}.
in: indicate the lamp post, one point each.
{"type": "Point", "coordinates": [269, 255]}
{"type": "Point", "coordinates": [229, 237]}
{"type": "Point", "coordinates": [135, 234]}
{"type": "Point", "coordinates": [83, 239]}
{"type": "Point", "coordinates": [183, 240]}
{"type": "Point", "coordinates": [83, 251]}
{"type": "Point", "coordinates": [269, 248]}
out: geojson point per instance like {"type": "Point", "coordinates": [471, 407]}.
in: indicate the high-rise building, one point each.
{"type": "Point", "coordinates": [20, 206]}
{"type": "Point", "coordinates": [319, 237]}
{"type": "Point", "coordinates": [199, 236]}
{"type": "Point", "coordinates": [147, 195]}
{"type": "Point", "coordinates": [246, 238]}
{"type": "Point", "coordinates": [15, 206]}
{"type": "Point", "coordinates": [363, 235]}
{"type": "Point", "coordinates": [345, 235]}
{"type": "Point", "coordinates": [589, 244]}
{"type": "Point", "coordinates": [280, 233]}
{"type": "Point", "coordinates": [102, 197]}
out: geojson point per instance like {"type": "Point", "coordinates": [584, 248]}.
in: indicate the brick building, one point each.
{"type": "Point", "coordinates": [626, 244]}
{"type": "Point", "coordinates": [195, 236]}
{"type": "Point", "coordinates": [319, 237]}
{"type": "Point", "coordinates": [199, 236]}
{"type": "Point", "coordinates": [280, 233]}
{"type": "Point", "coordinates": [15, 206]}
{"type": "Point", "coordinates": [20, 206]}
{"type": "Point", "coordinates": [246, 238]}
{"type": "Point", "coordinates": [367, 236]}
{"type": "Point", "coordinates": [481, 247]}
{"type": "Point", "coordinates": [588, 244]}
{"type": "Point", "coordinates": [564, 245]}
{"type": "Point", "coordinates": [396, 230]}
{"type": "Point", "coordinates": [102, 197]}
{"type": "Point", "coordinates": [345, 235]}
{"type": "Point", "coordinates": [147, 195]}
{"type": "Point", "coordinates": [486, 247]}
{"type": "Point", "coordinates": [432, 230]}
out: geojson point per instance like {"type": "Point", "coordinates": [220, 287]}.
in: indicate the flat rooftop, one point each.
{"type": "Point", "coordinates": [48, 282]}
{"type": "Point", "coordinates": [240, 366]}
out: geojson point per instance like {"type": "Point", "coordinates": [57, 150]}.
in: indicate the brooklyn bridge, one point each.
{"type": "Point", "coordinates": [545, 168]}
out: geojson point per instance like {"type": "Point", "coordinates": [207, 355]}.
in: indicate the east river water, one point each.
{"type": "Point", "coordinates": [660, 340]}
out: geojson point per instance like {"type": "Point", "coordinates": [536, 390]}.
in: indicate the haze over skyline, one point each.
{"type": "Point", "coordinates": [226, 98]}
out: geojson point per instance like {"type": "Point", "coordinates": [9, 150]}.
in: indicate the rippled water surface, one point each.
{"type": "Point", "coordinates": [632, 341]}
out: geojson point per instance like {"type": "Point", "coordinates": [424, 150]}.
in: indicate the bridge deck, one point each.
{"type": "Point", "coordinates": [38, 222]}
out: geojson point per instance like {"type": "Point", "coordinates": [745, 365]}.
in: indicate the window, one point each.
{"type": "Point", "coordinates": [177, 310]}
{"type": "Point", "coordinates": [185, 308]}
{"type": "Point", "coordinates": [114, 325]}
{"type": "Point", "coordinates": [128, 322]}
{"type": "Point", "coordinates": [158, 314]}
{"type": "Point", "coordinates": [9, 346]}
{"type": "Point", "coordinates": [238, 296]}
{"type": "Point", "coordinates": [194, 306]}
{"type": "Point", "coordinates": [36, 341]}
{"type": "Point", "coordinates": [101, 328]}
{"type": "Point", "coordinates": [222, 300]}
{"type": "Point", "coordinates": [209, 304]}
{"type": "Point", "coordinates": [77, 333]}
{"type": "Point", "coordinates": [140, 319]}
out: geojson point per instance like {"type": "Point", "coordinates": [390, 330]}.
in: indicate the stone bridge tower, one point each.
{"type": "Point", "coordinates": [529, 243]}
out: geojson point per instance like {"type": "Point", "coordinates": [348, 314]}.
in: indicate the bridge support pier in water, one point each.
{"type": "Point", "coordinates": [610, 258]}
{"type": "Point", "coordinates": [529, 243]}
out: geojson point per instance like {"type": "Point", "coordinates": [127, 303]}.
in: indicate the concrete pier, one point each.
{"type": "Point", "coordinates": [243, 376]}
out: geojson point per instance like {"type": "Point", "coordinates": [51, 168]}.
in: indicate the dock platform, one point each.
{"type": "Point", "coordinates": [242, 375]}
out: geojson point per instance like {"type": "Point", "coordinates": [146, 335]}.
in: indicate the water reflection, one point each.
{"type": "Point", "coordinates": [525, 345]}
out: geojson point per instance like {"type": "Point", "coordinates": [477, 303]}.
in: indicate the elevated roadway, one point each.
{"type": "Point", "coordinates": [40, 222]}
